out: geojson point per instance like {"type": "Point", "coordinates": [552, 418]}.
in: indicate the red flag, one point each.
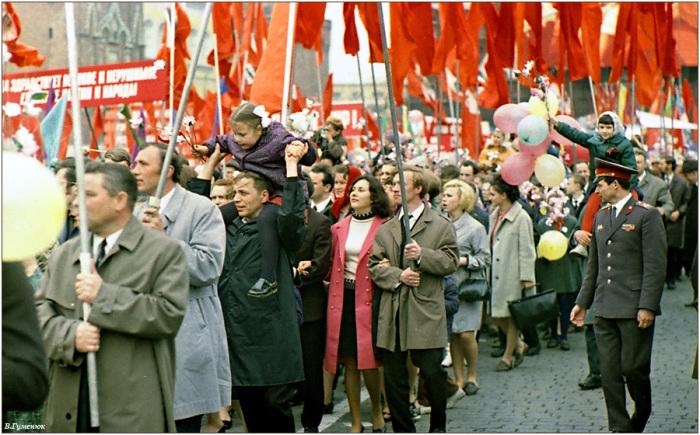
{"type": "Point", "coordinates": [222, 24]}
{"type": "Point", "coordinates": [269, 78]}
{"type": "Point", "coordinates": [299, 101]}
{"type": "Point", "coordinates": [182, 31]}
{"type": "Point", "coordinates": [570, 49]}
{"type": "Point", "coordinates": [453, 31]}
{"type": "Point", "coordinates": [67, 130]}
{"type": "Point", "coordinates": [648, 77]}
{"type": "Point", "coordinates": [98, 127]}
{"type": "Point", "coordinates": [420, 30]}
{"type": "Point", "coordinates": [20, 54]}
{"type": "Point", "coordinates": [665, 41]}
{"type": "Point", "coordinates": [495, 92]}
{"type": "Point", "coordinates": [471, 131]}
{"type": "Point", "coordinates": [591, 20]}
{"type": "Point", "coordinates": [402, 48]}
{"type": "Point", "coordinates": [328, 96]}
{"type": "Point", "coordinates": [626, 26]}
{"type": "Point", "coordinates": [372, 126]}
{"type": "Point", "coordinates": [350, 39]}
{"type": "Point", "coordinates": [309, 26]}
{"type": "Point", "coordinates": [370, 18]}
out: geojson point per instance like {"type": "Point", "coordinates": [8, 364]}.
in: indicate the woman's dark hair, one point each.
{"type": "Point", "coordinates": [245, 114]}
{"type": "Point", "coordinates": [511, 192]}
{"type": "Point", "coordinates": [380, 201]}
{"type": "Point", "coordinates": [606, 120]}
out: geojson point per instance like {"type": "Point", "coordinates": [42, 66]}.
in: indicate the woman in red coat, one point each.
{"type": "Point", "coordinates": [349, 312]}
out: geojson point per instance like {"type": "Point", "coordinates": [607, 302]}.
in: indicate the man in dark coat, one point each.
{"type": "Point", "coordinates": [655, 192]}
{"type": "Point", "coordinates": [313, 259]}
{"type": "Point", "coordinates": [690, 171]}
{"type": "Point", "coordinates": [623, 282]}
{"type": "Point", "coordinates": [321, 176]}
{"type": "Point", "coordinates": [263, 332]}
{"type": "Point", "coordinates": [675, 225]}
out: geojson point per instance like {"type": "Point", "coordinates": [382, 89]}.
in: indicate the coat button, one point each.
{"type": "Point", "coordinates": [609, 280]}
{"type": "Point", "coordinates": [332, 307]}
{"type": "Point", "coordinates": [68, 416]}
{"type": "Point", "coordinates": [609, 268]}
{"type": "Point", "coordinates": [496, 277]}
{"type": "Point", "coordinates": [337, 282]}
{"type": "Point", "coordinates": [366, 303]}
{"type": "Point", "coordinates": [367, 291]}
{"type": "Point", "coordinates": [498, 259]}
{"type": "Point", "coordinates": [72, 304]}
{"type": "Point", "coordinates": [609, 242]}
{"type": "Point", "coordinates": [338, 269]}
{"type": "Point", "coordinates": [609, 255]}
{"type": "Point", "coordinates": [366, 276]}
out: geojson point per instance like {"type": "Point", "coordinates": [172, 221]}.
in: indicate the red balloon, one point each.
{"type": "Point", "coordinates": [508, 116]}
{"type": "Point", "coordinates": [536, 150]}
{"type": "Point", "coordinates": [518, 168]}
{"type": "Point", "coordinates": [556, 137]}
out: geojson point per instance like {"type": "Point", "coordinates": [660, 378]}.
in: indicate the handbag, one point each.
{"type": "Point", "coordinates": [529, 311]}
{"type": "Point", "coordinates": [471, 290]}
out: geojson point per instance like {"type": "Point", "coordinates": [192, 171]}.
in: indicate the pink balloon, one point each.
{"type": "Point", "coordinates": [518, 168]}
{"type": "Point", "coordinates": [508, 116]}
{"type": "Point", "coordinates": [536, 150]}
{"type": "Point", "coordinates": [556, 137]}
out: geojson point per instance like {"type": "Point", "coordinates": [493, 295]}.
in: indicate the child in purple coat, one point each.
{"type": "Point", "coordinates": [258, 145]}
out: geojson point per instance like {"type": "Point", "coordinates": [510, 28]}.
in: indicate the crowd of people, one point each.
{"type": "Point", "coordinates": [256, 281]}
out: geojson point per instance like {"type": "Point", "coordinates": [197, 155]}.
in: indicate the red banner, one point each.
{"type": "Point", "coordinates": [100, 85]}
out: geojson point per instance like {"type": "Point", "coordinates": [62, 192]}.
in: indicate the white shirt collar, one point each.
{"type": "Point", "coordinates": [166, 199]}
{"type": "Point", "coordinates": [111, 241]}
{"type": "Point", "coordinates": [620, 204]}
{"type": "Point", "coordinates": [642, 176]}
{"type": "Point", "coordinates": [414, 215]}
{"type": "Point", "coordinates": [320, 206]}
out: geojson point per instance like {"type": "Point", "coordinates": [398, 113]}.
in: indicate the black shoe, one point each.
{"type": "Point", "coordinates": [380, 430]}
{"type": "Point", "coordinates": [691, 304]}
{"type": "Point", "coordinates": [547, 335]}
{"type": "Point", "coordinates": [415, 412]}
{"type": "Point", "coordinates": [438, 430]}
{"type": "Point", "coordinates": [263, 288]}
{"type": "Point", "coordinates": [497, 353]}
{"type": "Point", "coordinates": [552, 342]}
{"type": "Point", "coordinates": [328, 408]}
{"type": "Point", "coordinates": [671, 285]}
{"type": "Point", "coordinates": [532, 351]}
{"type": "Point", "coordinates": [591, 382]}
{"type": "Point", "coordinates": [311, 429]}
{"type": "Point", "coordinates": [564, 345]}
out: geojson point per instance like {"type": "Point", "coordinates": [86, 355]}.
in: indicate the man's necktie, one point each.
{"type": "Point", "coordinates": [100, 253]}
{"type": "Point", "coordinates": [612, 216]}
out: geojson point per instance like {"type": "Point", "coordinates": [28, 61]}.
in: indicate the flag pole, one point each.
{"type": "Point", "coordinates": [219, 109]}
{"type": "Point", "coordinates": [89, 123]}
{"type": "Point", "coordinates": [595, 107]}
{"type": "Point", "coordinates": [288, 61]}
{"type": "Point", "coordinates": [320, 89]}
{"type": "Point", "coordinates": [171, 43]}
{"type": "Point", "coordinates": [399, 158]}
{"type": "Point", "coordinates": [458, 107]}
{"type": "Point", "coordinates": [85, 251]}
{"type": "Point", "coordinates": [437, 120]}
{"type": "Point", "coordinates": [364, 111]}
{"type": "Point", "coordinates": [662, 113]}
{"type": "Point", "coordinates": [452, 114]}
{"type": "Point", "coordinates": [379, 116]}
{"type": "Point", "coordinates": [673, 110]}
{"type": "Point", "coordinates": [154, 201]}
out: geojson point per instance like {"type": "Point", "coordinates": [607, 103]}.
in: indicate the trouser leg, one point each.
{"type": "Point", "coordinates": [429, 363]}
{"type": "Point", "coordinates": [609, 339]}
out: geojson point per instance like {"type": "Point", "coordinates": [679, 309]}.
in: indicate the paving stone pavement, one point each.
{"type": "Point", "coordinates": [542, 394]}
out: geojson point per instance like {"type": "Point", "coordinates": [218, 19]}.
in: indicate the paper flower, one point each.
{"type": "Point", "coordinates": [25, 142]}
{"type": "Point", "coordinates": [135, 120]}
{"type": "Point", "coordinates": [263, 114]}
{"type": "Point", "coordinates": [188, 122]}
{"type": "Point", "coordinates": [6, 55]}
{"type": "Point", "coordinates": [12, 109]}
{"type": "Point", "coordinates": [32, 110]}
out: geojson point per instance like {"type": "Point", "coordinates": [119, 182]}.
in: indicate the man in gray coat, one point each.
{"type": "Point", "coordinates": [675, 225]}
{"type": "Point", "coordinates": [203, 381]}
{"type": "Point", "coordinates": [655, 191]}
{"type": "Point", "coordinates": [623, 281]}
{"type": "Point", "coordinates": [138, 291]}
{"type": "Point", "coordinates": [412, 307]}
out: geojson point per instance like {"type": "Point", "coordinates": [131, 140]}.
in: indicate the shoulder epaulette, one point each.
{"type": "Point", "coordinates": [607, 206]}
{"type": "Point", "coordinates": [643, 205]}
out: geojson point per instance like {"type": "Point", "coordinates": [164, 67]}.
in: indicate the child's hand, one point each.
{"type": "Point", "coordinates": [201, 149]}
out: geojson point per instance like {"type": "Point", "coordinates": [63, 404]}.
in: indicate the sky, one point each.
{"type": "Point", "coordinates": [343, 66]}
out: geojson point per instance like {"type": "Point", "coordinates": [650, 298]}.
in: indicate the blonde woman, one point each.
{"type": "Point", "coordinates": [458, 200]}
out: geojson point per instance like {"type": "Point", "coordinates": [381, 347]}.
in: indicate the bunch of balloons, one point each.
{"type": "Point", "coordinates": [528, 121]}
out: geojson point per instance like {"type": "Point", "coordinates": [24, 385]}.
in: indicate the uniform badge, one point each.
{"type": "Point", "coordinates": [628, 227]}
{"type": "Point", "coordinates": [600, 227]}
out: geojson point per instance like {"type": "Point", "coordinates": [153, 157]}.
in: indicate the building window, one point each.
{"type": "Point", "coordinates": [50, 32]}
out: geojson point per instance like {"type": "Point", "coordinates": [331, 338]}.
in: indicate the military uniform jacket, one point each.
{"type": "Point", "coordinates": [421, 310]}
{"type": "Point", "coordinates": [263, 333]}
{"type": "Point", "coordinates": [626, 265]}
{"type": "Point", "coordinates": [138, 309]}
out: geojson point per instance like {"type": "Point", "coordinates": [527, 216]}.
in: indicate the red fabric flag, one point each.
{"type": "Point", "coordinates": [626, 26]}
{"type": "Point", "coordinates": [328, 96]}
{"type": "Point", "coordinates": [471, 132]}
{"type": "Point", "coordinates": [495, 92]}
{"type": "Point", "coordinates": [222, 24]}
{"type": "Point", "coordinates": [98, 127]}
{"type": "Point", "coordinates": [469, 70]}
{"type": "Point", "coordinates": [417, 88]}
{"type": "Point", "coordinates": [570, 49]}
{"type": "Point", "coordinates": [350, 39]}
{"type": "Point", "coordinates": [269, 78]}
{"type": "Point", "coordinates": [665, 41]}
{"type": "Point", "coordinates": [299, 100]}
{"type": "Point", "coordinates": [591, 20]}
{"type": "Point", "coordinates": [648, 77]}
{"type": "Point", "coordinates": [67, 130]}
{"type": "Point", "coordinates": [20, 54]}
{"type": "Point", "coordinates": [419, 27]}
{"type": "Point", "coordinates": [533, 16]}
{"type": "Point", "coordinates": [372, 126]}
{"type": "Point", "coordinates": [505, 42]}
{"type": "Point", "coordinates": [454, 31]}
{"type": "Point", "coordinates": [309, 26]}
{"type": "Point", "coordinates": [370, 18]}
{"type": "Point", "coordinates": [182, 31]}
{"type": "Point", "coordinates": [402, 48]}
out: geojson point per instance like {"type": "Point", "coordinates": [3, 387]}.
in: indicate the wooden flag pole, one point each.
{"type": "Point", "coordinates": [154, 201]}
{"type": "Point", "coordinates": [85, 251]}
{"type": "Point", "coordinates": [219, 108]}
{"type": "Point", "coordinates": [364, 110]}
{"type": "Point", "coordinates": [595, 107]}
{"type": "Point", "coordinates": [320, 90]}
{"type": "Point", "coordinates": [89, 123]}
{"type": "Point", "coordinates": [288, 62]}
{"type": "Point", "coordinates": [437, 121]}
{"type": "Point", "coordinates": [399, 158]}
{"type": "Point", "coordinates": [379, 116]}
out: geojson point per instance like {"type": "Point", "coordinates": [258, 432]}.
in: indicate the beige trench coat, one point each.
{"type": "Point", "coordinates": [512, 258]}
{"type": "Point", "coordinates": [422, 319]}
{"type": "Point", "coordinates": [138, 309]}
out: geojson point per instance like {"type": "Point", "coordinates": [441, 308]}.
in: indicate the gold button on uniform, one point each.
{"type": "Point", "coordinates": [609, 255]}
{"type": "Point", "coordinates": [609, 280]}
{"type": "Point", "coordinates": [609, 242]}
{"type": "Point", "coordinates": [609, 268]}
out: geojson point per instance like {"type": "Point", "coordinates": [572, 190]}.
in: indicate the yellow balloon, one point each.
{"type": "Point", "coordinates": [552, 102]}
{"type": "Point", "coordinates": [549, 170]}
{"type": "Point", "coordinates": [537, 107]}
{"type": "Point", "coordinates": [33, 207]}
{"type": "Point", "coordinates": [552, 245]}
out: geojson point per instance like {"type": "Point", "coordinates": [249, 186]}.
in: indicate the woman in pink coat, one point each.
{"type": "Point", "coordinates": [349, 311]}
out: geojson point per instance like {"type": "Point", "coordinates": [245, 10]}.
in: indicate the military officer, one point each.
{"type": "Point", "coordinates": [623, 280]}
